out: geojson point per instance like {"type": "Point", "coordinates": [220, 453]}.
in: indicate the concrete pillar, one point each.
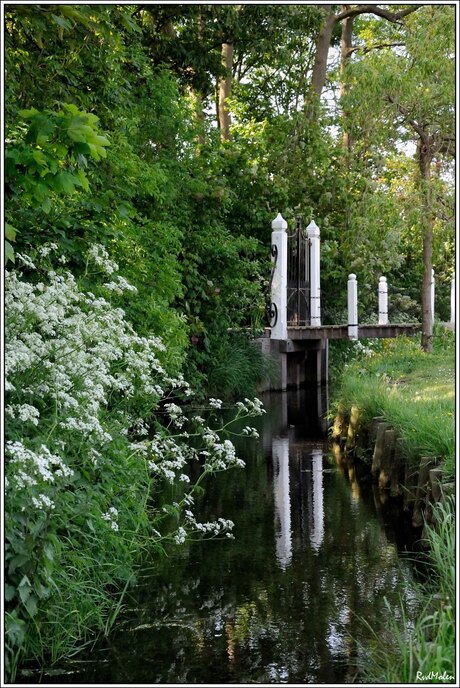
{"type": "Point", "coordinates": [315, 291]}
{"type": "Point", "coordinates": [452, 300]}
{"type": "Point", "coordinates": [432, 296]}
{"type": "Point", "coordinates": [324, 352]}
{"type": "Point", "coordinates": [317, 363]}
{"type": "Point", "coordinates": [279, 282]}
{"type": "Point", "coordinates": [352, 307]}
{"type": "Point", "coordinates": [383, 301]}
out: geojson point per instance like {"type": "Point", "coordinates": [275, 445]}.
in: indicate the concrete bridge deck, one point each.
{"type": "Point", "coordinates": [341, 331]}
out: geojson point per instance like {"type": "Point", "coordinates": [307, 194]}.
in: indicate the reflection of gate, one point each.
{"type": "Point", "coordinates": [298, 278]}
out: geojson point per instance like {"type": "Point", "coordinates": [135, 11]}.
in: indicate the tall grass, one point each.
{"type": "Point", "coordinates": [423, 652]}
{"type": "Point", "coordinates": [238, 365]}
{"type": "Point", "coordinates": [414, 391]}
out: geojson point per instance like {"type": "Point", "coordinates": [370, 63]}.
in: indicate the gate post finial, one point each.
{"type": "Point", "coordinates": [279, 223]}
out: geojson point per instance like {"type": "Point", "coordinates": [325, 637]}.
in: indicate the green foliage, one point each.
{"type": "Point", "coordinates": [399, 100]}
{"type": "Point", "coordinates": [412, 389]}
{"type": "Point", "coordinates": [187, 221]}
{"type": "Point", "coordinates": [83, 390]}
{"type": "Point", "coordinates": [237, 366]}
{"type": "Point", "coordinates": [49, 154]}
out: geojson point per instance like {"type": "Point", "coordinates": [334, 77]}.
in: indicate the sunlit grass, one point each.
{"type": "Point", "coordinates": [414, 391]}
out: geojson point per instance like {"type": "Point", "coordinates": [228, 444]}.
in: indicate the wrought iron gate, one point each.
{"type": "Point", "coordinates": [298, 277]}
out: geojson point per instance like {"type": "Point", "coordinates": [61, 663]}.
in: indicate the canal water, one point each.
{"type": "Point", "coordinates": [289, 599]}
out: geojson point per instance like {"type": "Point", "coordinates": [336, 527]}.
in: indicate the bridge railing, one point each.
{"type": "Point", "coordinates": [280, 281]}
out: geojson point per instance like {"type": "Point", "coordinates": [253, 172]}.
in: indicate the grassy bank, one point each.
{"type": "Point", "coordinates": [414, 391]}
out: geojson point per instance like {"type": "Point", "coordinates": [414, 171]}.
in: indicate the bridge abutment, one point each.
{"type": "Point", "coordinates": [295, 363]}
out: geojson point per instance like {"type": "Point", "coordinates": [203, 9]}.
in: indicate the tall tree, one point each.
{"type": "Point", "coordinates": [407, 94]}
{"type": "Point", "coordinates": [225, 90]}
{"type": "Point", "coordinates": [345, 15]}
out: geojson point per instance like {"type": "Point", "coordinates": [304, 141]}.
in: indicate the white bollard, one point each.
{"type": "Point", "coordinates": [383, 301]}
{"type": "Point", "coordinates": [315, 289]}
{"type": "Point", "coordinates": [452, 299]}
{"type": "Point", "coordinates": [352, 307]}
{"type": "Point", "coordinates": [432, 296]}
{"type": "Point", "coordinates": [279, 282]}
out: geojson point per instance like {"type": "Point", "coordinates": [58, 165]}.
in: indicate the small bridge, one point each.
{"type": "Point", "coordinates": [294, 309]}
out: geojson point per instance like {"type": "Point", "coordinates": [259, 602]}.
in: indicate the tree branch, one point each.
{"type": "Point", "coordinates": [367, 49]}
{"type": "Point", "coordinates": [393, 17]}
{"type": "Point", "coordinates": [418, 128]}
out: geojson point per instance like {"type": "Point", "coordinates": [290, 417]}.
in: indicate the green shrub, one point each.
{"type": "Point", "coordinates": [93, 431]}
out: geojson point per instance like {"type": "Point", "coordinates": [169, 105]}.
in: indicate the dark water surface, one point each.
{"type": "Point", "coordinates": [287, 600]}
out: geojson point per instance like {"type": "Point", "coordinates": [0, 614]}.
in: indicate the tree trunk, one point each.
{"type": "Point", "coordinates": [318, 77]}
{"type": "Point", "coordinates": [424, 161]}
{"type": "Point", "coordinates": [323, 42]}
{"type": "Point", "coordinates": [196, 100]}
{"type": "Point", "coordinates": [225, 88]}
{"type": "Point", "coordinates": [345, 53]}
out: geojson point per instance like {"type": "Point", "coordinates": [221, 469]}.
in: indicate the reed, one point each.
{"type": "Point", "coordinates": [423, 651]}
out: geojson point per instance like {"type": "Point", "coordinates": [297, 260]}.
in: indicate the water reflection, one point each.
{"type": "Point", "coordinates": [317, 519]}
{"type": "Point", "coordinates": [281, 485]}
{"type": "Point", "coordinates": [288, 600]}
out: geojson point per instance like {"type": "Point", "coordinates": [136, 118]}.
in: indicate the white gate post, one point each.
{"type": "Point", "coordinates": [315, 291]}
{"type": "Point", "coordinates": [383, 301]}
{"type": "Point", "coordinates": [352, 307]}
{"type": "Point", "coordinates": [452, 300]}
{"type": "Point", "coordinates": [432, 296]}
{"type": "Point", "coordinates": [279, 282]}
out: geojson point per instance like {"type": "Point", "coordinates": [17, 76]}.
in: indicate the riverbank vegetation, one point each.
{"type": "Point", "coordinates": [147, 150]}
{"type": "Point", "coordinates": [414, 391]}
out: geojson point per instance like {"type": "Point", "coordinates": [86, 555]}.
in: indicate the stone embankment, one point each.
{"type": "Point", "coordinates": [419, 484]}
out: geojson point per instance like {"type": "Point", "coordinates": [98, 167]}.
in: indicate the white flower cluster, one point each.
{"type": "Point", "coordinates": [76, 370]}
{"type": "Point", "coordinates": [119, 286]}
{"type": "Point", "coordinates": [175, 413]}
{"type": "Point", "coordinates": [362, 349]}
{"type": "Point", "coordinates": [77, 350]}
{"type": "Point", "coordinates": [251, 407]}
{"type": "Point", "coordinates": [169, 457]}
{"type": "Point", "coordinates": [42, 502]}
{"type": "Point", "coordinates": [250, 432]}
{"type": "Point", "coordinates": [68, 354]}
{"type": "Point", "coordinates": [46, 249]}
{"type": "Point", "coordinates": [112, 517]}
{"type": "Point", "coordinates": [213, 528]}
{"type": "Point", "coordinates": [180, 535]}
{"type": "Point", "coordinates": [34, 467]}
{"type": "Point", "coordinates": [98, 255]}
{"type": "Point", "coordinates": [25, 413]}
{"type": "Point", "coordinates": [219, 455]}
